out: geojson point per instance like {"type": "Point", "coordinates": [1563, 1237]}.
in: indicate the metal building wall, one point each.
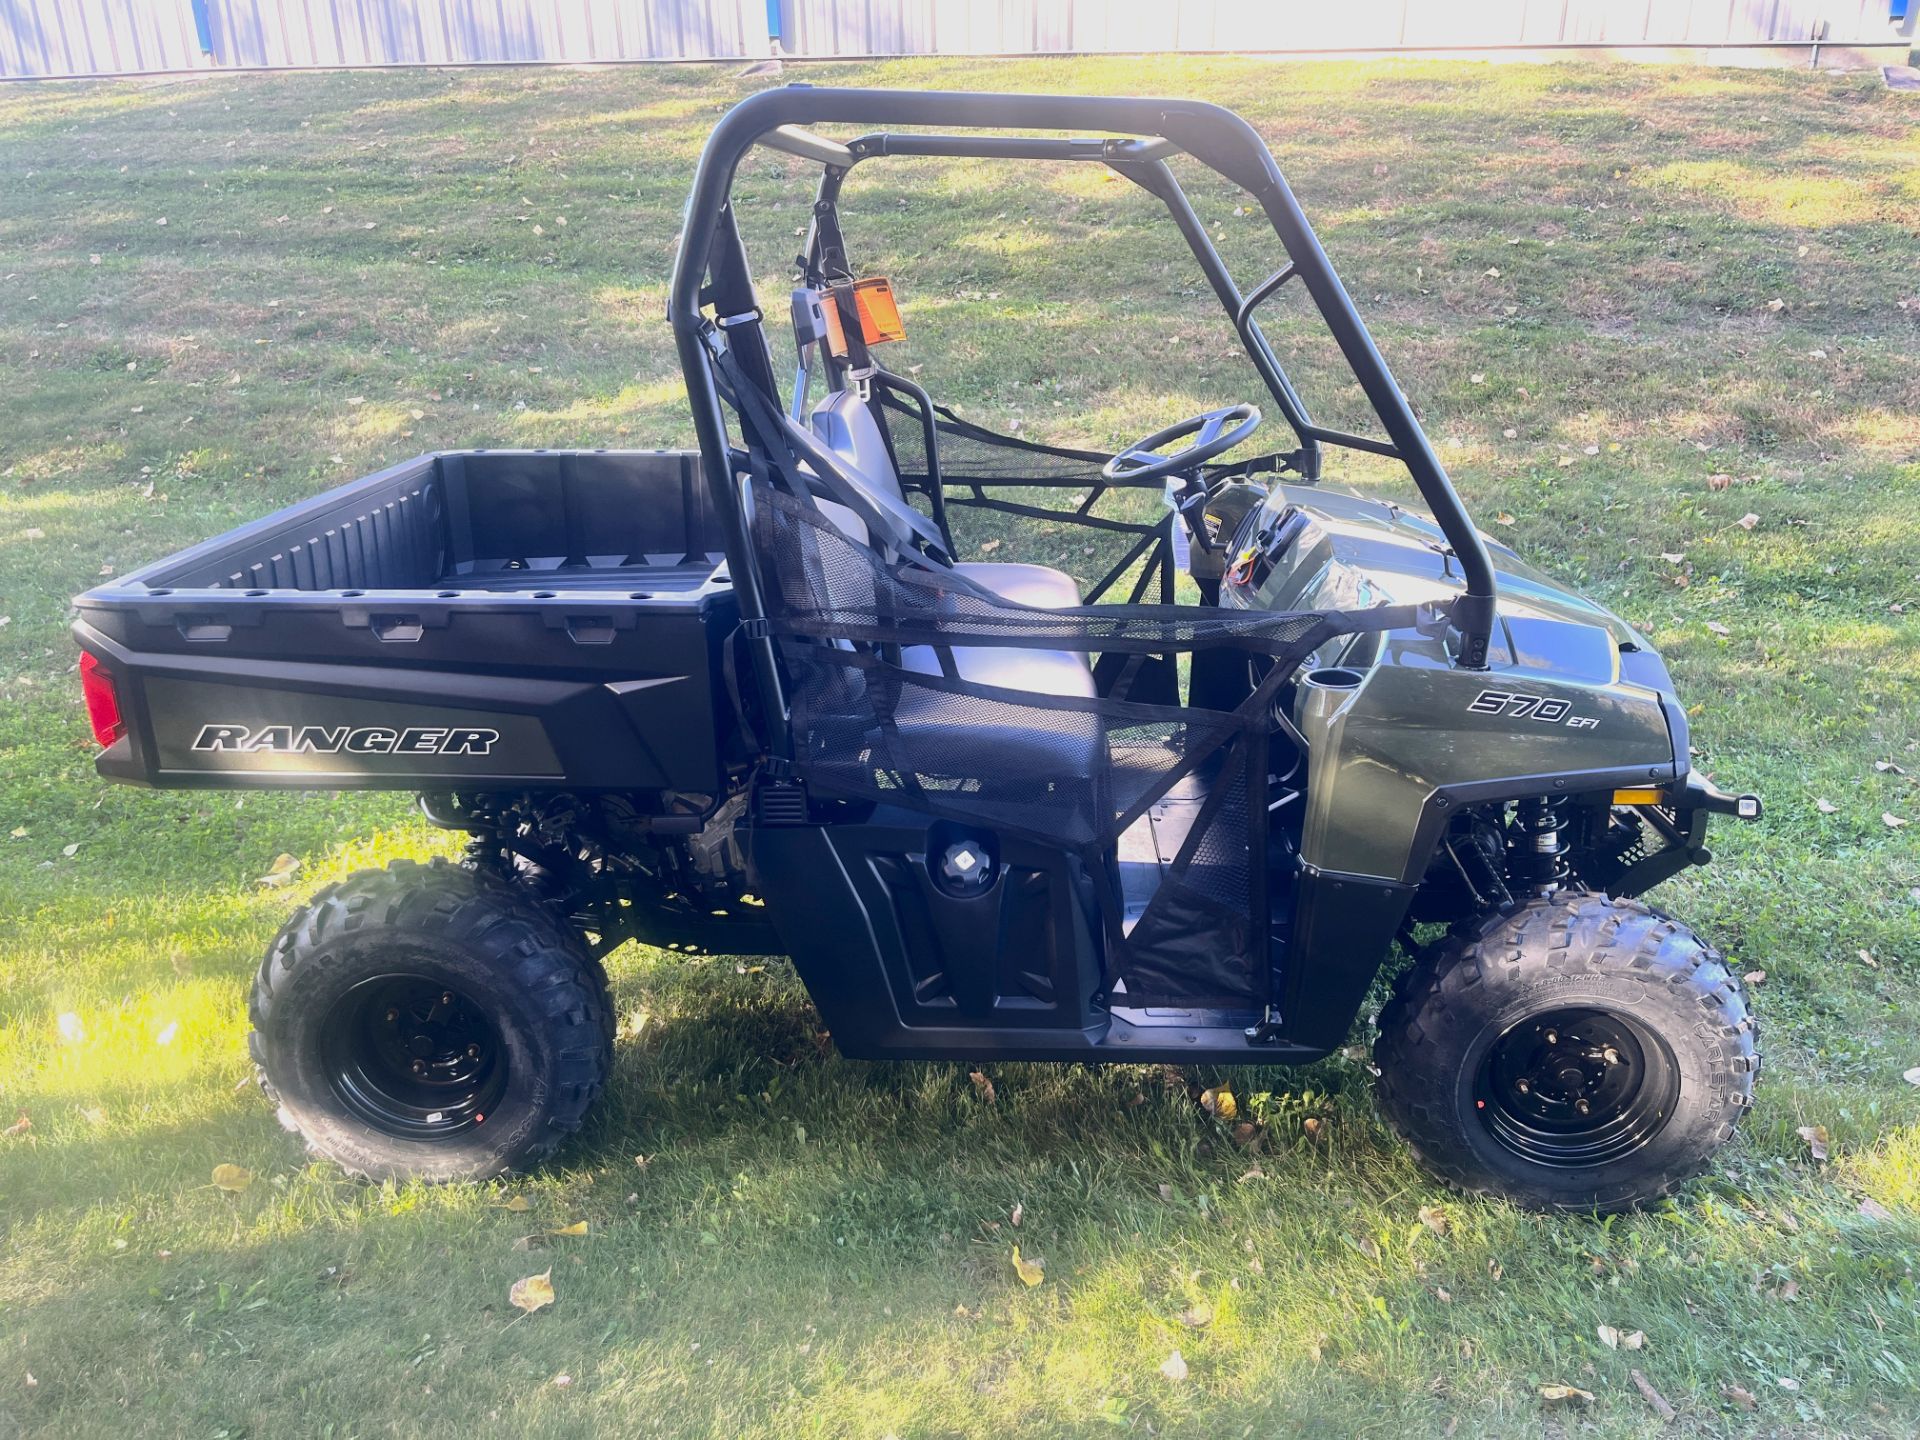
{"type": "Point", "coordinates": [120, 37]}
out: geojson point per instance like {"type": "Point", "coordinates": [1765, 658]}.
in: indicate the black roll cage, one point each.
{"type": "Point", "coordinates": [712, 269]}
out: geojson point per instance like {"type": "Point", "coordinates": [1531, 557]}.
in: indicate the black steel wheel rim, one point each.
{"type": "Point", "coordinates": [1576, 1087]}
{"type": "Point", "coordinates": [414, 1057]}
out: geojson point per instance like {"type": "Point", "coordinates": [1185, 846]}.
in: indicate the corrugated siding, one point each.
{"type": "Point", "coordinates": [123, 37]}
{"type": "Point", "coordinates": [120, 37]}
{"type": "Point", "coordinates": [1011, 27]}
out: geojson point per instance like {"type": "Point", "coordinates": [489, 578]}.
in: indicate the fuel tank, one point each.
{"type": "Point", "coordinates": [1573, 700]}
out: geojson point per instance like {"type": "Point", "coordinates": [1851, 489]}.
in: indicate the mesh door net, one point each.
{"type": "Point", "coordinates": [858, 635]}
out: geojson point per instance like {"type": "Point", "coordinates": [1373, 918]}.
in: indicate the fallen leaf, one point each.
{"type": "Point", "coordinates": [533, 1293]}
{"type": "Point", "coordinates": [1503, 518]}
{"type": "Point", "coordinates": [1874, 1210]}
{"type": "Point", "coordinates": [1816, 1138]}
{"type": "Point", "coordinates": [70, 850]}
{"type": "Point", "coordinates": [19, 1127]}
{"type": "Point", "coordinates": [579, 1227]}
{"type": "Point", "coordinates": [1866, 958]}
{"type": "Point", "coordinates": [1652, 1396]}
{"type": "Point", "coordinates": [1174, 1367]}
{"type": "Point", "coordinates": [1031, 1272]}
{"type": "Point", "coordinates": [1787, 1382]}
{"type": "Point", "coordinates": [1219, 1102]}
{"type": "Point", "coordinates": [1719, 482]}
{"type": "Point", "coordinates": [1565, 1395]}
{"type": "Point", "coordinates": [1892, 821]}
{"type": "Point", "coordinates": [1745, 1399]}
{"type": "Point", "coordinates": [989, 547]}
{"type": "Point", "coordinates": [1717, 628]}
{"type": "Point", "coordinates": [1634, 1340]}
{"type": "Point", "coordinates": [280, 873]}
{"type": "Point", "coordinates": [1673, 557]}
{"type": "Point", "coordinates": [1912, 1077]}
{"type": "Point", "coordinates": [1755, 977]}
{"type": "Point", "coordinates": [982, 1084]}
{"type": "Point", "coordinates": [1195, 1317]}
{"type": "Point", "coordinates": [563, 1380]}
{"type": "Point", "coordinates": [1166, 1193]}
{"type": "Point", "coordinates": [1019, 1214]}
{"type": "Point", "coordinates": [1609, 1337]}
{"type": "Point", "coordinates": [1826, 806]}
{"type": "Point", "coordinates": [519, 1205]}
{"type": "Point", "coordinates": [70, 1028]}
{"type": "Point", "coordinates": [232, 1178]}
{"type": "Point", "coordinates": [1748, 521]}
{"type": "Point", "coordinates": [1443, 1295]}
{"type": "Point", "coordinates": [168, 1035]}
{"type": "Point", "coordinates": [1434, 1218]}
{"type": "Point", "coordinates": [1887, 767]}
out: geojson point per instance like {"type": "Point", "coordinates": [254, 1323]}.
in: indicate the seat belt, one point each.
{"type": "Point", "coordinates": [898, 523]}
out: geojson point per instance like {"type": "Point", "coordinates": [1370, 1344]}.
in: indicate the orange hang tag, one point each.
{"type": "Point", "coordinates": [879, 315]}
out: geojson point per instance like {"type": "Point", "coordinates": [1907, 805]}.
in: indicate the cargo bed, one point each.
{"type": "Point", "coordinates": [490, 618]}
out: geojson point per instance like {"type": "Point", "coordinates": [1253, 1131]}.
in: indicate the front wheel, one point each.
{"type": "Point", "coordinates": [1580, 1053]}
{"type": "Point", "coordinates": [425, 1022]}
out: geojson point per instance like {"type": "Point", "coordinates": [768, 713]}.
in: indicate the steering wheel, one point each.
{"type": "Point", "coordinates": [1215, 433]}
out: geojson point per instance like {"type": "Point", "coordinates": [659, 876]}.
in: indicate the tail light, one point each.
{"type": "Point", "coordinates": [103, 700]}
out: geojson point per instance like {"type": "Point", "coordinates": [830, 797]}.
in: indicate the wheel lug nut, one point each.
{"type": "Point", "coordinates": [419, 1067]}
{"type": "Point", "coordinates": [1522, 1086]}
{"type": "Point", "coordinates": [473, 1052]}
{"type": "Point", "coordinates": [1582, 1106]}
{"type": "Point", "coordinates": [446, 997]}
{"type": "Point", "coordinates": [392, 1016]}
{"type": "Point", "coordinates": [1612, 1056]}
{"type": "Point", "coordinates": [1553, 1037]}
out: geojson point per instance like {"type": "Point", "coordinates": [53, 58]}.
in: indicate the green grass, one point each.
{"type": "Point", "coordinates": [354, 268]}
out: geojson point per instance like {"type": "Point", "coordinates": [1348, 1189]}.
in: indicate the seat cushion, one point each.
{"type": "Point", "coordinates": [1039, 672]}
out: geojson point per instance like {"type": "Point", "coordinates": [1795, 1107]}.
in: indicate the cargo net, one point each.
{"type": "Point", "coordinates": [878, 711]}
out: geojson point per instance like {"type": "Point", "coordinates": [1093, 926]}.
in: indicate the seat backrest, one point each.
{"type": "Point", "coordinates": [844, 423]}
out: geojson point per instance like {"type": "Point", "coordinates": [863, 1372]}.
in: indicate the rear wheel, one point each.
{"type": "Point", "coordinates": [1580, 1053]}
{"type": "Point", "coordinates": [421, 1021]}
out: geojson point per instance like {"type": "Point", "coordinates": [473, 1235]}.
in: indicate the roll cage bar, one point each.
{"type": "Point", "coordinates": [712, 269]}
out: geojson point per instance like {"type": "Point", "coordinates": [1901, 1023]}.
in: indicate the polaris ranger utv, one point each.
{"type": "Point", "coordinates": [753, 699]}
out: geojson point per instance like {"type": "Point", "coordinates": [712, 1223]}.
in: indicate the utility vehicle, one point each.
{"type": "Point", "coordinates": [769, 696]}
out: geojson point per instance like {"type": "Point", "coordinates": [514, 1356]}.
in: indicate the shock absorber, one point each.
{"type": "Point", "coordinates": [1536, 844]}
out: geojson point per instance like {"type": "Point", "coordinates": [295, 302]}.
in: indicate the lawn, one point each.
{"type": "Point", "coordinates": [1663, 325]}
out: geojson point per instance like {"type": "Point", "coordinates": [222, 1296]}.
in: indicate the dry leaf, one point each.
{"type": "Point", "coordinates": [989, 547]}
{"type": "Point", "coordinates": [1826, 806]}
{"type": "Point", "coordinates": [1565, 1395]}
{"type": "Point", "coordinates": [1503, 518]}
{"type": "Point", "coordinates": [1748, 521]}
{"type": "Point", "coordinates": [1866, 958]}
{"type": "Point", "coordinates": [1717, 628]}
{"type": "Point", "coordinates": [232, 1178]}
{"type": "Point", "coordinates": [1719, 482]}
{"type": "Point", "coordinates": [280, 873]}
{"type": "Point", "coordinates": [1673, 557]}
{"type": "Point", "coordinates": [1892, 821]}
{"type": "Point", "coordinates": [1434, 1218]}
{"type": "Point", "coordinates": [982, 1084]}
{"type": "Point", "coordinates": [1912, 1077]}
{"type": "Point", "coordinates": [1166, 1193]}
{"type": "Point", "coordinates": [1174, 1367]}
{"type": "Point", "coordinates": [1031, 1272]}
{"type": "Point", "coordinates": [1195, 1317]}
{"type": "Point", "coordinates": [579, 1227]}
{"type": "Point", "coordinates": [19, 1127]}
{"type": "Point", "coordinates": [1019, 1214]}
{"type": "Point", "coordinates": [1634, 1340]}
{"type": "Point", "coordinates": [519, 1205]}
{"type": "Point", "coordinates": [533, 1293]}
{"type": "Point", "coordinates": [1745, 1399]}
{"type": "Point", "coordinates": [1652, 1396]}
{"type": "Point", "coordinates": [1443, 1295]}
{"type": "Point", "coordinates": [70, 850]}
{"type": "Point", "coordinates": [1874, 1210]}
{"type": "Point", "coordinates": [1609, 1337]}
{"type": "Point", "coordinates": [1755, 977]}
{"type": "Point", "coordinates": [168, 1034]}
{"type": "Point", "coordinates": [1887, 767]}
{"type": "Point", "coordinates": [1816, 1138]}
{"type": "Point", "coordinates": [1219, 1102]}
